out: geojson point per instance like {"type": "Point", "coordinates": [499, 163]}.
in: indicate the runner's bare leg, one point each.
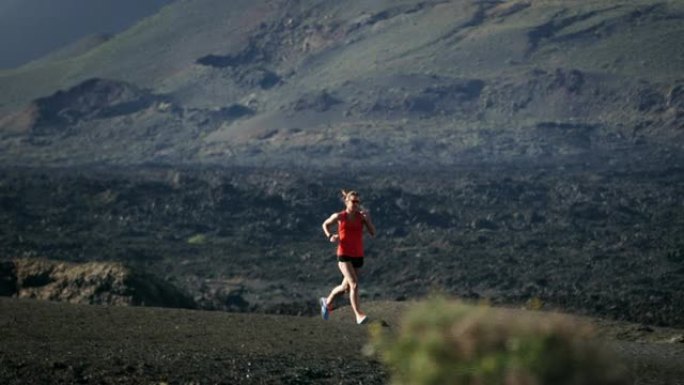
{"type": "Point", "coordinates": [337, 290]}
{"type": "Point", "coordinates": [351, 276]}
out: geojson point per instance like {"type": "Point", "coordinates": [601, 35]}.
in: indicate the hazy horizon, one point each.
{"type": "Point", "coordinates": [30, 29]}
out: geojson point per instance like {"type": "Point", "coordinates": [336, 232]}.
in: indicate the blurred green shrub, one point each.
{"type": "Point", "coordinates": [442, 342]}
{"type": "Point", "coordinates": [534, 303]}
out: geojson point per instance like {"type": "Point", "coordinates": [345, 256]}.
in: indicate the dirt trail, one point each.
{"type": "Point", "coordinates": [47, 343]}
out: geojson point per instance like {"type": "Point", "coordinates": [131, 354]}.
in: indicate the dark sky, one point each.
{"type": "Point", "coordinates": [30, 29]}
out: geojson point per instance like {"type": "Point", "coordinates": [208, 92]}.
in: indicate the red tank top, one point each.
{"type": "Point", "coordinates": [351, 235]}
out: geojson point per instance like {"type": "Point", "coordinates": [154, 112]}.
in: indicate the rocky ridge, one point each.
{"type": "Point", "coordinates": [102, 283]}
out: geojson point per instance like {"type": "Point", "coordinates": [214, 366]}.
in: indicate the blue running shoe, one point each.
{"type": "Point", "coordinates": [325, 313]}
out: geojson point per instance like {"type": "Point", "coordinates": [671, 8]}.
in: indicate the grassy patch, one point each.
{"type": "Point", "coordinates": [197, 239]}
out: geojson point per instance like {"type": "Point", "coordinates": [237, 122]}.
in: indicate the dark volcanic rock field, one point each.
{"type": "Point", "coordinates": [598, 239]}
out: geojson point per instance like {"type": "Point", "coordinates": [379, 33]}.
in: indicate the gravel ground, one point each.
{"type": "Point", "coordinates": [53, 343]}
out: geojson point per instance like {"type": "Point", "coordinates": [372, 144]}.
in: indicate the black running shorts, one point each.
{"type": "Point", "coordinates": [356, 262]}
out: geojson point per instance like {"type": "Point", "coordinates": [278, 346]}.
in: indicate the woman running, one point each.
{"type": "Point", "coordinates": [349, 238]}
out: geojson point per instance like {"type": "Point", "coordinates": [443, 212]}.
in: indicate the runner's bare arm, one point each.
{"type": "Point", "coordinates": [326, 227]}
{"type": "Point", "coordinates": [369, 224]}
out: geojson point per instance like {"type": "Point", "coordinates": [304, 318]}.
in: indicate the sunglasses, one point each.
{"type": "Point", "coordinates": [355, 201]}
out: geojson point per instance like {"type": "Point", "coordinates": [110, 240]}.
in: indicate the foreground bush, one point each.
{"type": "Point", "coordinates": [444, 342]}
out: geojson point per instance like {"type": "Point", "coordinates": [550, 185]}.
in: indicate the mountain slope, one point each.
{"type": "Point", "coordinates": [451, 81]}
